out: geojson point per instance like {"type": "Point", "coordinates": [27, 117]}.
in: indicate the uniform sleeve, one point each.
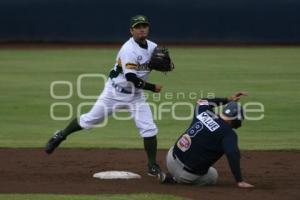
{"type": "Point", "coordinates": [209, 104]}
{"type": "Point", "coordinates": [139, 83]}
{"type": "Point", "coordinates": [128, 61]}
{"type": "Point", "coordinates": [213, 102]}
{"type": "Point", "coordinates": [232, 152]}
{"type": "Point", "coordinates": [202, 106]}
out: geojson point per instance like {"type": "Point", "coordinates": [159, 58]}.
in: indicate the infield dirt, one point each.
{"type": "Point", "coordinates": [69, 171]}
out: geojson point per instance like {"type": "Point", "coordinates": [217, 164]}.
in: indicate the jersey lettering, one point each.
{"type": "Point", "coordinates": [207, 121]}
{"type": "Point", "coordinates": [143, 67]}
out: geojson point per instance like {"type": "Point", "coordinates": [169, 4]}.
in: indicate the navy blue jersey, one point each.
{"type": "Point", "coordinates": [206, 140]}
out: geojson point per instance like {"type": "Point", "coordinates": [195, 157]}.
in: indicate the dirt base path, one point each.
{"type": "Point", "coordinates": [69, 171]}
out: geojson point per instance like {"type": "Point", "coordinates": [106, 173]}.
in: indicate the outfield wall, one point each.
{"type": "Point", "coordinates": [201, 21]}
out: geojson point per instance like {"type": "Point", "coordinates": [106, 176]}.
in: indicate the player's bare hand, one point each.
{"type": "Point", "coordinates": [158, 88]}
{"type": "Point", "coordinates": [236, 96]}
{"type": "Point", "coordinates": [244, 184]}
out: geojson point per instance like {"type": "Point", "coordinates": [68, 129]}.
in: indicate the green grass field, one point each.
{"type": "Point", "coordinates": [270, 75]}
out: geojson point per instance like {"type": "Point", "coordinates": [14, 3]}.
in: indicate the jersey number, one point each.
{"type": "Point", "coordinates": [195, 129]}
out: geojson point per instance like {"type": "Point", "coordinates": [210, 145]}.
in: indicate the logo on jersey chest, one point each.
{"type": "Point", "coordinates": [138, 67]}
{"type": "Point", "coordinates": [139, 58]}
{"type": "Point", "coordinates": [208, 121]}
{"type": "Point", "coordinates": [142, 66]}
{"type": "Point", "coordinates": [184, 143]}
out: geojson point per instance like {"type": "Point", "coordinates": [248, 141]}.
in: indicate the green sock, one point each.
{"type": "Point", "coordinates": [71, 128]}
{"type": "Point", "coordinates": [150, 146]}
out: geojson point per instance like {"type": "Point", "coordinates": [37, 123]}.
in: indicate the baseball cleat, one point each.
{"type": "Point", "coordinates": [54, 142]}
{"type": "Point", "coordinates": [153, 170]}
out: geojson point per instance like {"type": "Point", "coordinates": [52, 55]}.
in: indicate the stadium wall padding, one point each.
{"type": "Point", "coordinates": [179, 21]}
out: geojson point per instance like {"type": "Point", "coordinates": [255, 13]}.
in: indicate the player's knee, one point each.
{"type": "Point", "coordinates": [149, 132]}
{"type": "Point", "coordinates": [213, 176]}
{"type": "Point", "coordinates": [88, 122]}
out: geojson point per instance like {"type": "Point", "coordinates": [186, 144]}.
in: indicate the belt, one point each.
{"type": "Point", "coordinates": [120, 89]}
{"type": "Point", "coordinates": [186, 168]}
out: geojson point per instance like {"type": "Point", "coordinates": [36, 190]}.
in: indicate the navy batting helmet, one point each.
{"type": "Point", "coordinates": [233, 111]}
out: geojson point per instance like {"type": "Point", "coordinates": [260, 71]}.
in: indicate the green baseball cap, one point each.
{"type": "Point", "coordinates": [138, 19]}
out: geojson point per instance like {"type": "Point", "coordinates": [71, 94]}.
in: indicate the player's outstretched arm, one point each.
{"type": "Point", "coordinates": [237, 96]}
{"type": "Point", "coordinates": [222, 101]}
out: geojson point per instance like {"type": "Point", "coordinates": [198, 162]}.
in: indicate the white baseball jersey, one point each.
{"type": "Point", "coordinates": [133, 59]}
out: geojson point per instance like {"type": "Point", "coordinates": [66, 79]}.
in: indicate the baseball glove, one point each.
{"type": "Point", "coordinates": [160, 60]}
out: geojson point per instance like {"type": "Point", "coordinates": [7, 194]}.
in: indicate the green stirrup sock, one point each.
{"type": "Point", "coordinates": [71, 128]}
{"type": "Point", "coordinates": [150, 146]}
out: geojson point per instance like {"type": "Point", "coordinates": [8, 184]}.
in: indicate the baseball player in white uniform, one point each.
{"type": "Point", "coordinates": [124, 89]}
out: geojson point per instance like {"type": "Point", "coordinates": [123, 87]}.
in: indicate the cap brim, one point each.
{"type": "Point", "coordinates": [133, 25]}
{"type": "Point", "coordinates": [225, 117]}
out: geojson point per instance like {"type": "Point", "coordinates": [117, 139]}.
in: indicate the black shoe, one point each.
{"type": "Point", "coordinates": [164, 178]}
{"type": "Point", "coordinates": [54, 142]}
{"type": "Point", "coordinates": [153, 169]}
